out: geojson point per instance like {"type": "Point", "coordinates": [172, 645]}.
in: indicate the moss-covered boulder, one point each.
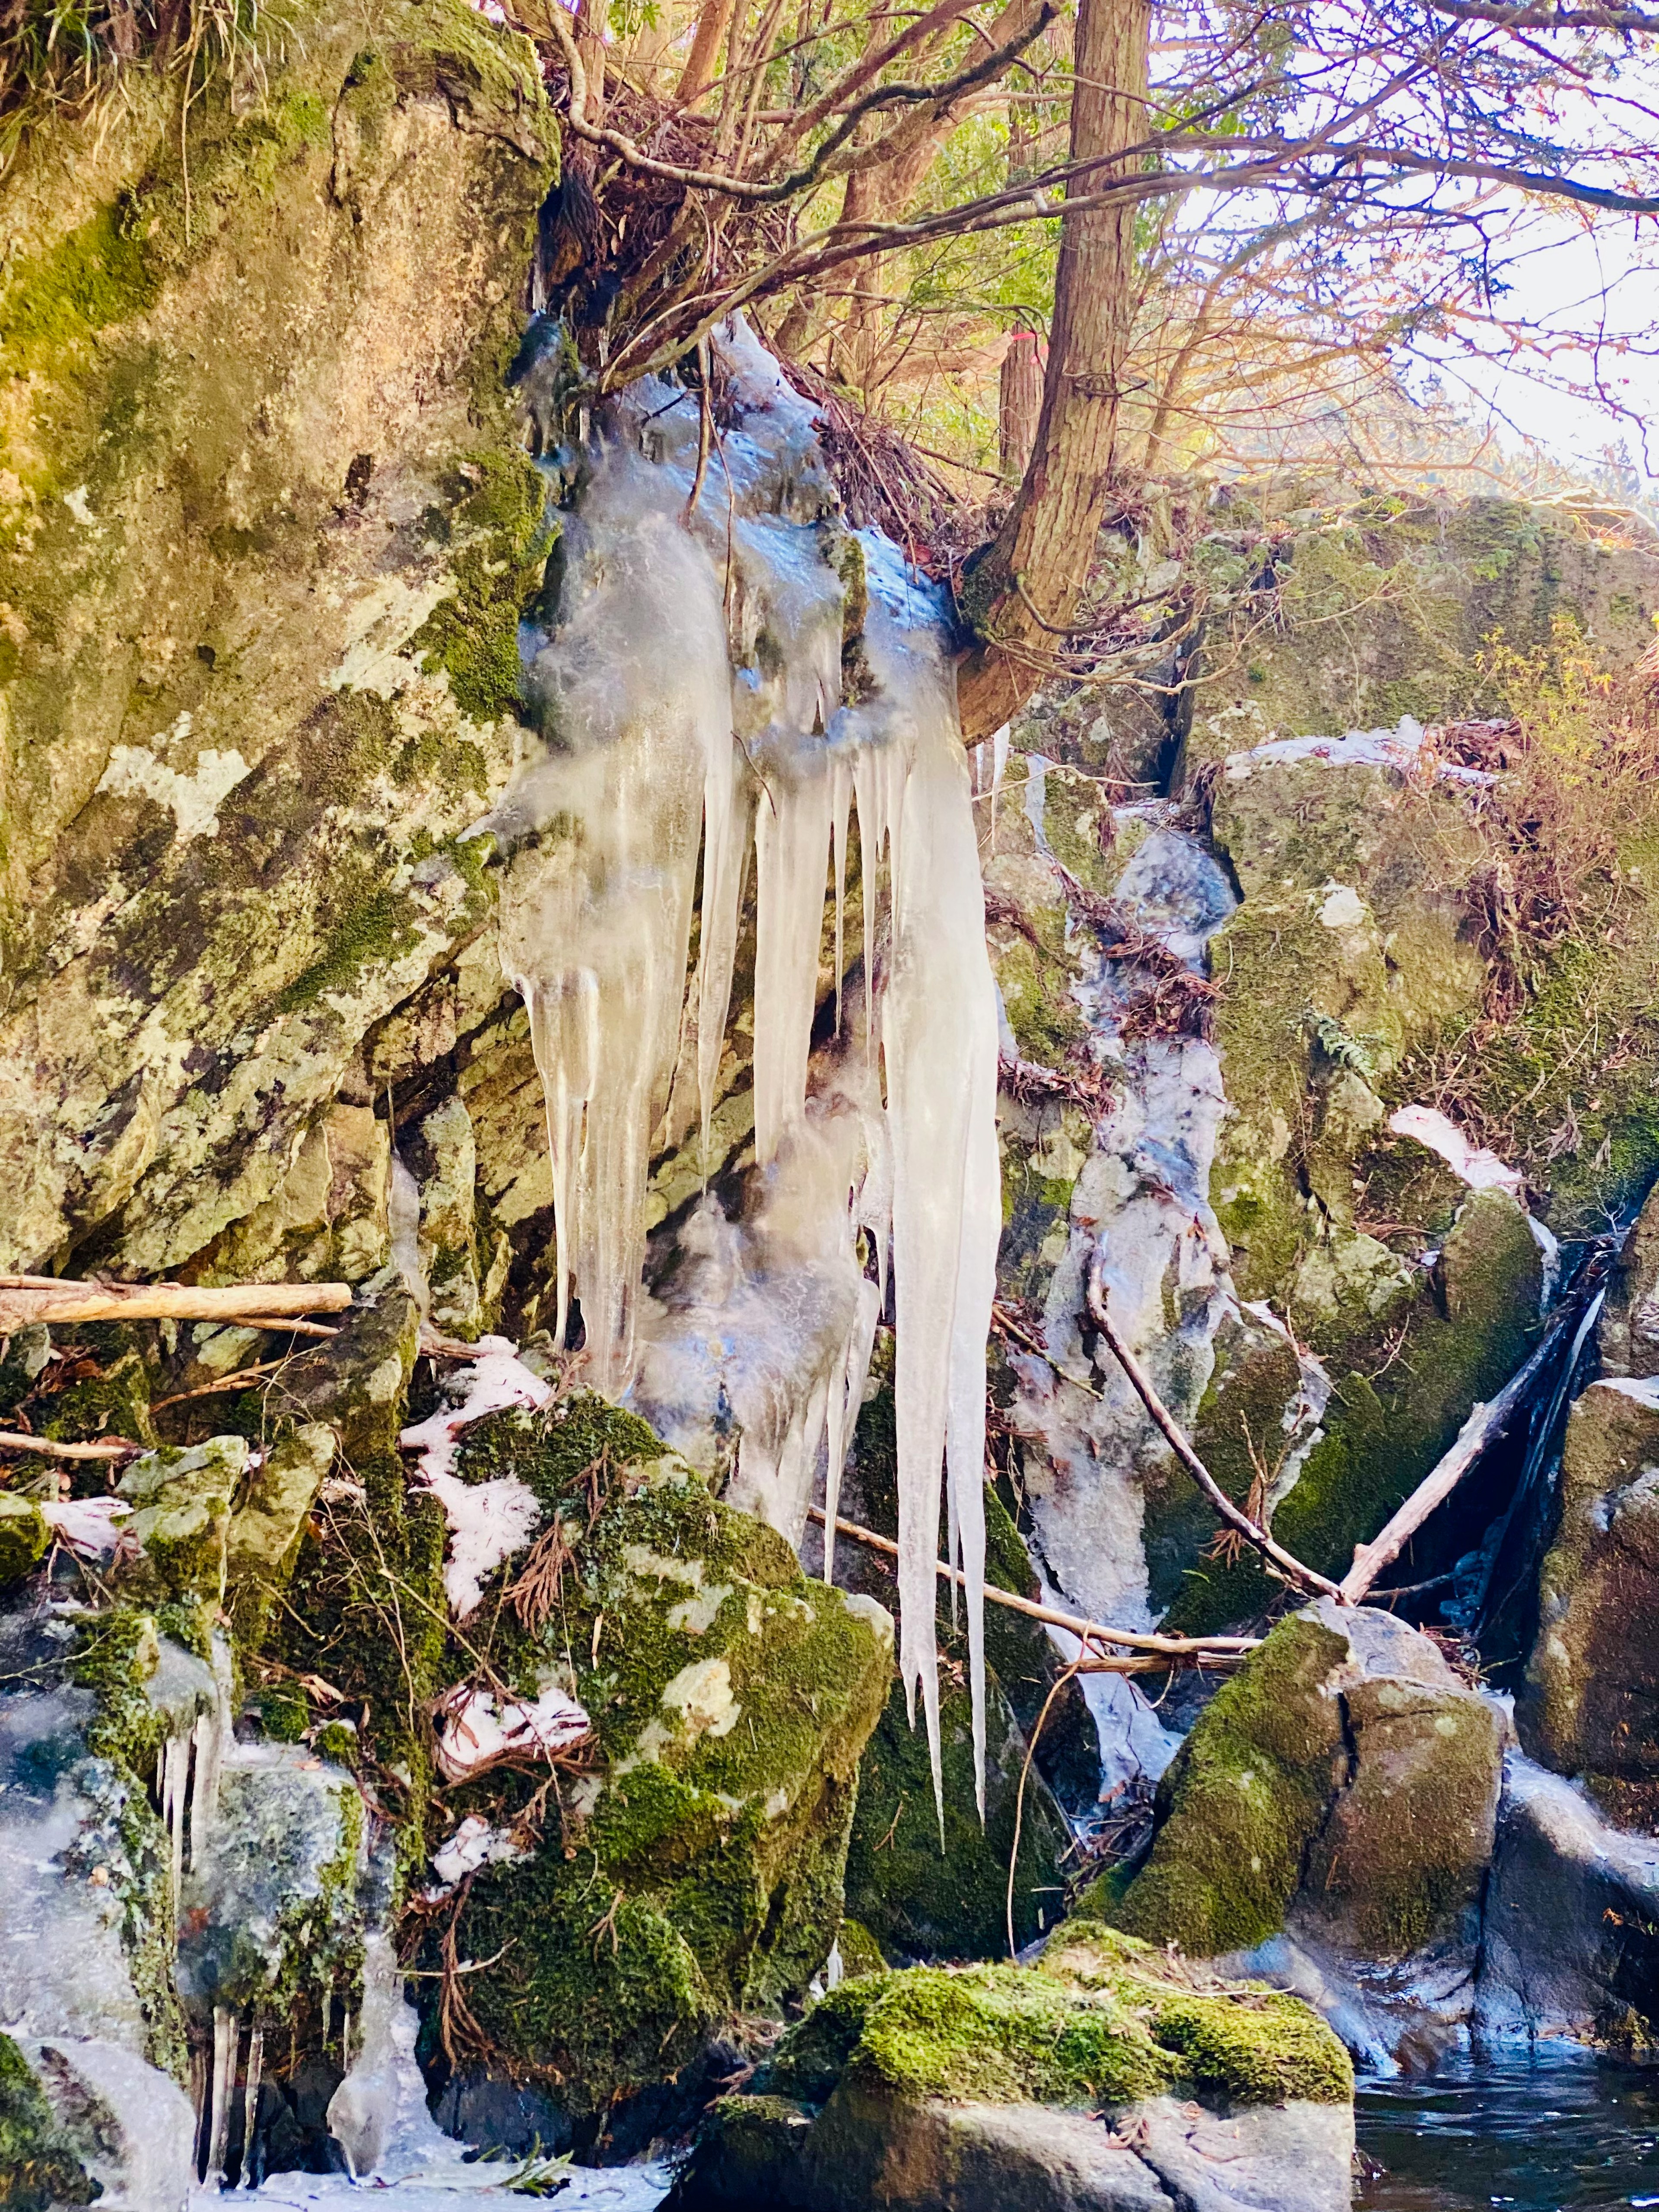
{"type": "Point", "coordinates": [1345, 1783]}
{"type": "Point", "coordinates": [1590, 1704]}
{"type": "Point", "coordinates": [1095, 2078]}
{"type": "Point", "coordinates": [692, 1866]}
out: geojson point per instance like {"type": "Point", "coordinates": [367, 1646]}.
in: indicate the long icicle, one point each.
{"type": "Point", "coordinates": [256, 2060]}
{"type": "Point", "coordinates": [226, 2036]}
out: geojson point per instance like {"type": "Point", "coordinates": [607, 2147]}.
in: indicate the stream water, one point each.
{"type": "Point", "coordinates": [1528, 2130]}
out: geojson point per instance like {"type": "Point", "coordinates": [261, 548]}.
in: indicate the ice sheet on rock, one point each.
{"type": "Point", "coordinates": [589, 2189]}
{"type": "Point", "coordinates": [1395, 748]}
{"type": "Point", "coordinates": [1131, 1738]}
{"type": "Point", "coordinates": [379, 2114]}
{"type": "Point", "coordinates": [1473, 1164]}
{"type": "Point", "coordinates": [477, 1729]}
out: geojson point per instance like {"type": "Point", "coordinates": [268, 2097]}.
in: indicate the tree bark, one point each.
{"type": "Point", "coordinates": [1027, 587]}
{"type": "Point", "coordinates": [713, 22]}
{"type": "Point", "coordinates": [1019, 404]}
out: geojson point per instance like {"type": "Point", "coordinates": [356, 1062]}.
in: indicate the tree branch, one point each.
{"type": "Point", "coordinates": [1236, 1517]}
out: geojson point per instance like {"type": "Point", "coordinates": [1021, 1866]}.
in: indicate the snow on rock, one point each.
{"type": "Point", "coordinates": [497, 1379]}
{"type": "Point", "coordinates": [475, 1843]}
{"type": "Point", "coordinates": [1480, 1170]}
{"type": "Point", "coordinates": [479, 1729]}
{"type": "Point", "coordinates": [488, 1521]}
{"type": "Point", "coordinates": [88, 1525]}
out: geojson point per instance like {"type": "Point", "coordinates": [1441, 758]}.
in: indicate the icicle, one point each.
{"type": "Point", "coordinates": [255, 2059]}
{"type": "Point", "coordinates": [175, 1779]}
{"type": "Point", "coordinates": [727, 803]}
{"type": "Point", "coordinates": [204, 1785]}
{"type": "Point", "coordinates": [345, 2039]}
{"type": "Point", "coordinates": [982, 1233]}
{"type": "Point", "coordinates": [999, 764]}
{"type": "Point", "coordinates": [792, 852]}
{"type": "Point", "coordinates": [227, 2033]}
{"type": "Point", "coordinates": [328, 2010]}
{"type": "Point", "coordinates": [846, 1397]}
{"type": "Point", "coordinates": [841, 800]}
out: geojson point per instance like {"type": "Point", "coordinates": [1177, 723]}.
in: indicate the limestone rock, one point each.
{"type": "Point", "coordinates": [442, 1157]}
{"type": "Point", "coordinates": [328, 1219]}
{"type": "Point", "coordinates": [266, 1529]}
{"type": "Point", "coordinates": [1590, 1705]}
{"type": "Point", "coordinates": [356, 1383]}
{"type": "Point", "coordinates": [1343, 1785]}
{"type": "Point", "coordinates": [181, 1517]}
{"type": "Point", "coordinates": [1100, 2078]}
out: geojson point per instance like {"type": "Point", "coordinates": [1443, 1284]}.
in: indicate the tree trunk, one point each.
{"type": "Point", "coordinates": [1027, 587]}
{"type": "Point", "coordinates": [713, 22]}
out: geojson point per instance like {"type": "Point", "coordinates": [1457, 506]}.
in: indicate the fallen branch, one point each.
{"type": "Point", "coordinates": [26, 1300]}
{"type": "Point", "coordinates": [236, 1381]}
{"type": "Point", "coordinates": [1160, 1648]}
{"type": "Point", "coordinates": [1293, 1569]}
{"type": "Point", "coordinates": [48, 1448]}
{"type": "Point", "coordinates": [1484, 1426]}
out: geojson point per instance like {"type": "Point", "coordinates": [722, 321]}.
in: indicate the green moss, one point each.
{"type": "Point", "coordinates": [502, 534]}
{"type": "Point", "coordinates": [1240, 1803]}
{"type": "Point", "coordinates": [39, 2165]}
{"type": "Point", "coordinates": [861, 1954]}
{"type": "Point", "coordinates": [116, 1654]}
{"type": "Point", "coordinates": [23, 1537]}
{"type": "Point", "coordinates": [1098, 2022]}
{"type": "Point", "coordinates": [381, 929]}
{"type": "Point", "coordinates": [100, 274]}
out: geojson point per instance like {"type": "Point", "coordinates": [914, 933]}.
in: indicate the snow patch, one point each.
{"type": "Point", "coordinates": [1480, 1170]}
{"type": "Point", "coordinates": [479, 1729]}
{"type": "Point", "coordinates": [1343, 908]}
{"type": "Point", "coordinates": [475, 1843]}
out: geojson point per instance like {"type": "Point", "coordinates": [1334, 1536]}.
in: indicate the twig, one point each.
{"type": "Point", "coordinates": [26, 1300]}
{"type": "Point", "coordinates": [10, 1440]}
{"type": "Point", "coordinates": [236, 1381]}
{"type": "Point", "coordinates": [1087, 1631]}
{"type": "Point", "coordinates": [1164, 1420]}
{"type": "Point", "coordinates": [1060, 1683]}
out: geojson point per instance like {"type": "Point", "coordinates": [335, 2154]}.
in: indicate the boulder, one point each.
{"type": "Point", "coordinates": [691, 1868]}
{"type": "Point", "coordinates": [1105, 2077]}
{"type": "Point", "coordinates": [1341, 1788]}
{"type": "Point", "coordinates": [1572, 1932]}
{"type": "Point", "coordinates": [1590, 1704]}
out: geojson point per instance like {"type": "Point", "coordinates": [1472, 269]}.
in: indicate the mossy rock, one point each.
{"type": "Point", "coordinates": [696, 1869]}
{"type": "Point", "coordinates": [181, 1519]}
{"type": "Point", "coordinates": [972, 2086]}
{"type": "Point", "coordinates": [23, 1537]}
{"type": "Point", "coordinates": [1344, 1782]}
{"type": "Point", "coordinates": [40, 2166]}
{"type": "Point", "coordinates": [1589, 1705]}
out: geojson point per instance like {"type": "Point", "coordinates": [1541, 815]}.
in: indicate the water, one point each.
{"type": "Point", "coordinates": [1538, 2129]}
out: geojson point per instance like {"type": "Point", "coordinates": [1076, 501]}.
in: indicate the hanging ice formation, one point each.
{"type": "Point", "coordinates": [690, 701]}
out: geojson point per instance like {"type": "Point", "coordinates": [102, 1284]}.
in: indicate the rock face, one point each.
{"type": "Point", "coordinates": [1569, 1945]}
{"type": "Point", "coordinates": [1342, 1788]}
{"type": "Point", "coordinates": [1101, 2078]}
{"type": "Point", "coordinates": [1590, 1705]}
{"type": "Point", "coordinates": [265, 537]}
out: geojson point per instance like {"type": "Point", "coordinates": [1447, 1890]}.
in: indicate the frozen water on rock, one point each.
{"type": "Point", "coordinates": [689, 706]}
{"type": "Point", "coordinates": [1140, 1211]}
{"type": "Point", "coordinates": [1473, 1164]}
{"type": "Point", "coordinates": [479, 1729]}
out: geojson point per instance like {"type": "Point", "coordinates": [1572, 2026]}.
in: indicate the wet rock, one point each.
{"type": "Point", "coordinates": [1342, 1786]}
{"type": "Point", "coordinates": [1629, 1331]}
{"type": "Point", "coordinates": [1590, 1704]}
{"type": "Point", "coordinates": [1571, 1938]}
{"type": "Point", "coordinates": [1102, 2077]}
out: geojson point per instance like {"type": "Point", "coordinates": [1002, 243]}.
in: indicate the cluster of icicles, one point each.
{"type": "Point", "coordinates": [690, 704]}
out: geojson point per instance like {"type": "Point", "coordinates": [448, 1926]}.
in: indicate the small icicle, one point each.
{"type": "Point", "coordinates": [792, 854]}
{"type": "Point", "coordinates": [328, 2010]}
{"type": "Point", "coordinates": [846, 1397]}
{"type": "Point", "coordinates": [256, 2060]}
{"type": "Point", "coordinates": [226, 2035]}
{"type": "Point", "coordinates": [345, 2039]}
{"type": "Point", "coordinates": [175, 1781]}
{"type": "Point", "coordinates": [999, 763]}
{"type": "Point", "coordinates": [841, 800]}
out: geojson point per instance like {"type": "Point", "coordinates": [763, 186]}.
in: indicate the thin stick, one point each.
{"type": "Point", "coordinates": [236, 1381]}
{"type": "Point", "coordinates": [1087, 1631]}
{"type": "Point", "coordinates": [1164, 1420]}
{"type": "Point", "coordinates": [27, 1299]}
{"type": "Point", "coordinates": [1057, 1686]}
{"type": "Point", "coordinates": [49, 1449]}
{"type": "Point", "coordinates": [1483, 1425]}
